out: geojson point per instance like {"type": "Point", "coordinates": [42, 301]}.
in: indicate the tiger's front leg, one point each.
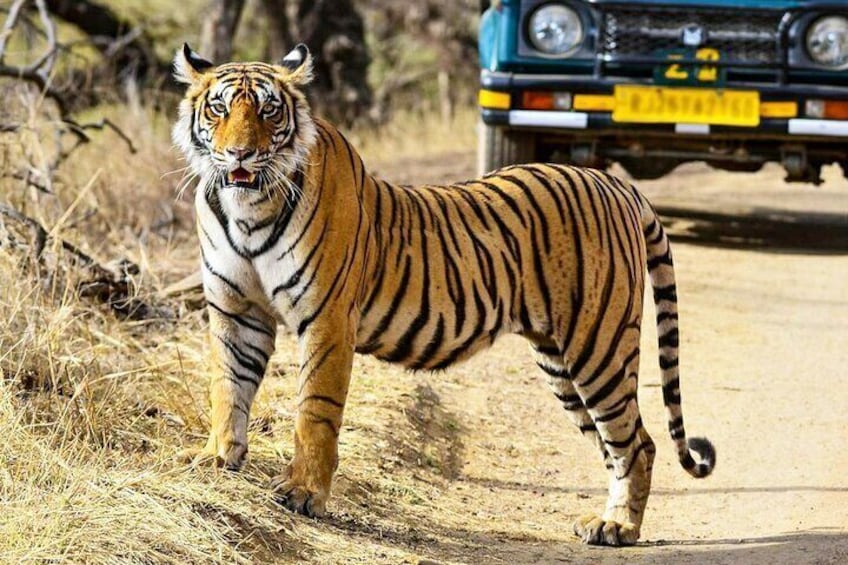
{"type": "Point", "coordinates": [241, 342]}
{"type": "Point", "coordinates": [326, 353]}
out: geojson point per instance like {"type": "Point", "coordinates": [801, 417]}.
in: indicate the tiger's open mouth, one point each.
{"type": "Point", "coordinates": [243, 178]}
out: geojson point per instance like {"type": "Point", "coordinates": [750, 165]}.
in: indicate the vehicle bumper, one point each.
{"type": "Point", "coordinates": [506, 81]}
{"type": "Point", "coordinates": [799, 127]}
{"type": "Point", "coordinates": [602, 123]}
{"type": "Point", "coordinates": [802, 143]}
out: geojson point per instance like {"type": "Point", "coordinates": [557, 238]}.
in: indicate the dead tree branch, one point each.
{"type": "Point", "coordinates": [39, 73]}
{"type": "Point", "coordinates": [125, 44]}
{"type": "Point", "coordinates": [112, 285]}
{"type": "Point", "coordinates": [36, 167]}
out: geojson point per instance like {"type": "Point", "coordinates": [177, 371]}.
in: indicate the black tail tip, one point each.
{"type": "Point", "coordinates": [706, 453]}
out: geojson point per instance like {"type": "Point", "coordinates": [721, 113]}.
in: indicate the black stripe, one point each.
{"type": "Point", "coordinates": [606, 293]}
{"type": "Point", "coordinates": [221, 277]}
{"type": "Point", "coordinates": [433, 346]}
{"type": "Point", "coordinates": [657, 238]}
{"type": "Point", "coordinates": [671, 391]}
{"type": "Point", "coordinates": [549, 350]}
{"type": "Point", "coordinates": [304, 379]}
{"type": "Point", "coordinates": [241, 377]}
{"type": "Point", "coordinates": [663, 316]}
{"type": "Point", "coordinates": [666, 363]}
{"type": "Point", "coordinates": [616, 410]}
{"type": "Point", "coordinates": [544, 179]}
{"type": "Point", "coordinates": [664, 259]}
{"type": "Point", "coordinates": [387, 318]}
{"type": "Point", "coordinates": [531, 199]}
{"type": "Point", "coordinates": [307, 284]}
{"type": "Point", "coordinates": [249, 323]}
{"type": "Point", "coordinates": [675, 424]}
{"type": "Point", "coordinates": [322, 398]}
{"type": "Point", "coordinates": [322, 420]}
{"type": "Point", "coordinates": [404, 345]}
{"type": "Point", "coordinates": [295, 277]}
{"type": "Point", "coordinates": [634, 456]}
{"type": "Point", "coordinates": [509, 200]}
{"type": "Point", "coordinates": [622, 443]}
{"type": "Point", "coordinates": [475, 334]}
{"type": "Point", "coordinates": [669, 339]}
{"type": "Point", "coordinates": [245, 360]}
{"type": "Point", "coordinates": [312, 215]}
{"type": "Point", "coordinates": [307, 320]}
{"type": "Point", "coordinates": [668, 292]}
{"type": "Point", "coordinates": [539, 271]}
{"type": "Point", "coordinates": [558, 372]}
{"type": "Point", "coordinates": [576, 296]}
{"type": "Point", "coordinates": [612, 383]}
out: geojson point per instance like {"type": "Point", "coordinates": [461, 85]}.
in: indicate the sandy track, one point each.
{"type": "Point", "coordinates": [763, 370]}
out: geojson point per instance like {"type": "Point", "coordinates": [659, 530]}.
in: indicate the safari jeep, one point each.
{"type": "Point", "coordinates": [654, 83]}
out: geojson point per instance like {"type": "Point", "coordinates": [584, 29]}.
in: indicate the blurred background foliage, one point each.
{"type": "Point", "coordinates": [373, 57]}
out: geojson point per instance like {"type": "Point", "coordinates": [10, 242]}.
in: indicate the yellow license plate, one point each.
{"type": "Point", "coordinates": [655, 104]}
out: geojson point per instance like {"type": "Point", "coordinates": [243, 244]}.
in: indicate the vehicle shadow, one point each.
{"type": "Point", "coordinates": [438, 543]}
{"type": "Point", "coordinates": [656, 491]}
{"type": "Point", "coordinates": [761, 228]}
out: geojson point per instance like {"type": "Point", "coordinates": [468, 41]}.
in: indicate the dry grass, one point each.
{"type": "Point", "coordinates": [93, 407]}
{"type": "Point", "coordinates": [416, 134]}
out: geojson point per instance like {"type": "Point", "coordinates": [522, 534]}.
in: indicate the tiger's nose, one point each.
{"type": "Point", "coordinates": [240, 153]}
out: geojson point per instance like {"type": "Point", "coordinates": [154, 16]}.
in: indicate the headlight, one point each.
{"type": "Point", "coordinates": [555, 29]}
{"type": "Point", "coordinates": [827, 41]}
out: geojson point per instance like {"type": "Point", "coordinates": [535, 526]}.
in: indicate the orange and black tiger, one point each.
{"type": "Point", "coordinates": [294, 230]}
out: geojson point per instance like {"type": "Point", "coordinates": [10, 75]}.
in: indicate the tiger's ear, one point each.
{"type": "Point", "coordinates": [188, 65]}
{"type": "Point", "coordinates": [298, 63]}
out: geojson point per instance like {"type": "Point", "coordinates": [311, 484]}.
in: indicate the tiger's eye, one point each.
{"type": "Point", "coordinates": [270, 112]}
{"type": "Point", "coordinates": [218, 108]}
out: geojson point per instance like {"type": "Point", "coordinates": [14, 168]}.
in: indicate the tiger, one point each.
{"type": "Point", "coordinates": [293, 231]}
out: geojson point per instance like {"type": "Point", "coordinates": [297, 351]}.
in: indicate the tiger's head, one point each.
{"type": "Point", "coordinates": [244, 125]}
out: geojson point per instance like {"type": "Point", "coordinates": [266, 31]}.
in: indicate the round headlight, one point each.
{"type": "Point", "coordinates": [827, 41]}
{"type": "Point", "coordinates": [555, 29]}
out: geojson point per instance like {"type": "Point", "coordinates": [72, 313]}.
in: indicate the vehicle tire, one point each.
{"type": "Point", "coordinates": [498, 147]}
{"type": "Point", "coordinates": [648, 168]}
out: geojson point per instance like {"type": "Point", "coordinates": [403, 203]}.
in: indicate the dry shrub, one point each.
{"type": "Point", "coordinates": [92, 406]}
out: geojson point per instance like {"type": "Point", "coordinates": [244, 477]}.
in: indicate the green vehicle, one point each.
{"type": "Point", "coordinates": [652, 84]}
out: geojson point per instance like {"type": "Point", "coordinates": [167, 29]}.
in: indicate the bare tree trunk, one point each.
{"type": "Point", "coordinates": [280, 39]}
{"type": "Point", "coordinates": [334, 31]}
{"type": "Point", "coordinates": [219, 28]}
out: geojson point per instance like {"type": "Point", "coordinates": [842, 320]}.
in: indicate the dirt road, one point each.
{"type": "Point", "coordinates": [764, 370]}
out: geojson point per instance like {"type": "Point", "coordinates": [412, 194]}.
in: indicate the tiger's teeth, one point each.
{"type": "Point", "coordinates": [241, 178]}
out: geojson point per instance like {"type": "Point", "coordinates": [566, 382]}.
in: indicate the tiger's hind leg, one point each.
{"type": "Point", "coordinates": [609, 394]}
{"type": "Point", "coordinates": [552, 362]}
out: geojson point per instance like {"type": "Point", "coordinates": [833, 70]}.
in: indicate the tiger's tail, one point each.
{"type": "Point", "coordinates": [661, 271]}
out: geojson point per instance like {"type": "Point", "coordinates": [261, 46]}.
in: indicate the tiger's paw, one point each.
{"type": "Point", "coordinates": [231, 459]}
{"type": "Point", "coordinates": [297, 497]}
{"type": "Point", "coordinates": [594, 530]}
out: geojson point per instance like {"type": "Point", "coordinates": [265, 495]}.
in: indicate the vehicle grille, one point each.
{"type": "Point", "coordinates": [743, 36]}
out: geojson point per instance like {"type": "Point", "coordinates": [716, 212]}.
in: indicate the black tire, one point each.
{"type": "Point", "coordinates": [498, 147]}
{"type": "Point", "coordinates": [648, 168]}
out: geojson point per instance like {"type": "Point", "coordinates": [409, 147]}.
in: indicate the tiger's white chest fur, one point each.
{"type": "Point", "coordinates": [245, 259]}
